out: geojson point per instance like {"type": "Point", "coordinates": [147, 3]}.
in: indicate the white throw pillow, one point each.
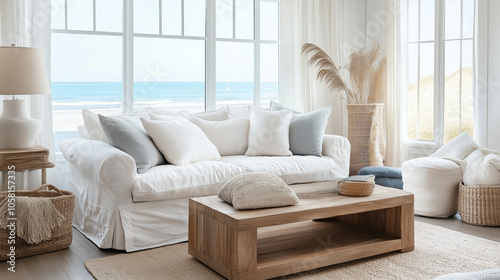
{"type": "Point", "coordinates": [257, 190]}
{"type": "Point", "coordinates": [156, 113]}
{"type": "Point", "coordinates": [482, 169]}
{"type": "Point", "coordinates": [155, 117]}
{"type": "Point", "coordinates": [180, 141]}
{"type": "Point", "coordinates": [238, 112]}
{"type": "Point", "coordinates": [458, 148]}
{"type": "Point", "coordinates": [93, 126]}
{"type": "Point", "coordinates": [219, 115]}
{"type": "Point", "coordinates": [269, 133]}
{"type": "Point", "coordinates": [229, 136]}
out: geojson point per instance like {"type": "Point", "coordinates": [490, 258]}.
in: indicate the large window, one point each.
{"type": "Point", "coordinates": [440, 61]}
{"type": "Point", "coordinates": [119, 56]}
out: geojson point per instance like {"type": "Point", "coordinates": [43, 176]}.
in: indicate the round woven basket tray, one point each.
{"type": "Point", "coordinates": [479, 205]}
{"type": "Point", "coordinates": [350, 188]}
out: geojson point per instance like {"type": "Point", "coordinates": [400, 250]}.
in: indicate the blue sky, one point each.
{"type": "Point", "coordinates": [78, 57]}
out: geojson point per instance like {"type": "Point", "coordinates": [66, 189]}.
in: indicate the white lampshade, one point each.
{"type": "Point", "coordinates": [22, 71]}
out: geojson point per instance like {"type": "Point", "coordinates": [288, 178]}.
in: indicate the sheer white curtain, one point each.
{"type": "Point", "coordinates": [395, 101]}
{"type": "Point", "coordinates": [26, 23]}
{"type": "Point", "coordinates": [317, 22]}
{"type": "Point", "coordinates": [322, 22]}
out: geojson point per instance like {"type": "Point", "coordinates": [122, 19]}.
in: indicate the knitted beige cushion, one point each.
{"type": "Point", "coordinates": [257, 190]}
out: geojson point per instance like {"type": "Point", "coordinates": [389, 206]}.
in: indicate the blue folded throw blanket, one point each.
{"type": "Point", "coordinates": [384, 176]}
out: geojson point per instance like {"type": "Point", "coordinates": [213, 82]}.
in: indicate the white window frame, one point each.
{"type": "Point", "coordinates": [210, 47]}
{"type": "Point", "coordinates": [419, 147]}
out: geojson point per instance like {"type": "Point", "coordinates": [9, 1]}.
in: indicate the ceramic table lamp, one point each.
{"type": "Point", "coordinates": [22, 72]}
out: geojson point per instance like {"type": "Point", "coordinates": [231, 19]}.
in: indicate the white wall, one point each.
{"type": "Point", "coordinates": [493, 75]}
{"type": "Point", "coordinates": [376, 22]}
{"type": "Point", "coordinates": [364, 22]}
{"type": "Point", "coordinates": [353, 27]}
{"type": "Point", "coordinates": [357, 30]}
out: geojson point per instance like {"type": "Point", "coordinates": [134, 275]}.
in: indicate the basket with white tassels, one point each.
{"type": "Point", "coordinates": [42, 218]}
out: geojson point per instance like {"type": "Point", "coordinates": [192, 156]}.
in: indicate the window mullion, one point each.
{"type": "Point", "coordinates": [66, 14]}
{"type": "Point", "coordinates": [182, 17]}
{"type": "Point", "coordinates": [461, 65]}
{"type": "Point", "coordinates": [128, 56]}
{"type": "Point", "coordinates": [256, 69]}
{"type": "Point", "coordinates": [439, 74]}
{"type": "Point", "coordinates": [234, 19]}
{"type": "Point", "coordinates": [94, 14]}
{"type": "Point", "coordinates": [210, 59]}
{"type": "Point", "coordinates": [160, 14]}
{"type": "Point", "coordinates": [418, 74]}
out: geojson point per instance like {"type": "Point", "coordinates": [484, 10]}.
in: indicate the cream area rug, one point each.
{"type": "Point", "coordinates": [437, 251]}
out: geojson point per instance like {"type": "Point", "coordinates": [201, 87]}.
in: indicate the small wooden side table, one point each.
{"type": "Point", "coordinates": [36, 157]}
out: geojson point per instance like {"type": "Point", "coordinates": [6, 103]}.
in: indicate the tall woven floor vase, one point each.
{"type": "Point", "coordinates": [366, 135]}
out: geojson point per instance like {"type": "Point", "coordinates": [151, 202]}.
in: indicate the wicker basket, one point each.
{"type": "Point", "coordinates": [479, 205]}
{"type": "Point", "coordinates": [352, 188]}
{"type": "Point", "coordinates": [61, 236]}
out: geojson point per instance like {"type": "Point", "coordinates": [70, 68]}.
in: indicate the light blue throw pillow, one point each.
{"type": "Point", "coordinates": [306, 130]}
{"type": "Point", "coordinates": [127, 134]}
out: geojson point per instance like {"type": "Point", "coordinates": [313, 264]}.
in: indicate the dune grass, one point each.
{"type": "Point", "coordinates": [458, 108]}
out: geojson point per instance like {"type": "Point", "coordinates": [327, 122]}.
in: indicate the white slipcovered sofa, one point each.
{"type": "Point", "coordinates": [118, 208]}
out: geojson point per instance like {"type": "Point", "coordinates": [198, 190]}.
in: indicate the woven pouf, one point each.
{"type": "Point", "coordinates": [479, 205]}
{"type": "Point", "coordinates": [434, 182]}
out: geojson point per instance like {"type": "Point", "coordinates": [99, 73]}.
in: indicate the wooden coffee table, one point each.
{"type": "Point", "coordinates": [318, 231]}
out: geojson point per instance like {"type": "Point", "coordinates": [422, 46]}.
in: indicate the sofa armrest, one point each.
{"type": "Point", "coordinates": [339, 149]}
{"type": "Point", "coordinates": [99, 161]}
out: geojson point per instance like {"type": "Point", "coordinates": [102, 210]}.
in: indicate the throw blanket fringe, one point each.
{"type": "Point", "coordinates": [36, 217]}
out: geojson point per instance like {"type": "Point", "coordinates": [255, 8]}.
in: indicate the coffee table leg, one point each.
{"type": "Point", "coordinates": [244, 249]}
{"type": "Point", "coordinates": [407, 228]}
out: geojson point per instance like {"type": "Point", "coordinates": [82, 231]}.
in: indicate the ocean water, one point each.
{"type": "Point", "coordinates": [101, 95]}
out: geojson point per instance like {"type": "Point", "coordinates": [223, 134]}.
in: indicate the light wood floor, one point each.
{"type": "Point", "coordinates": [69, 263]}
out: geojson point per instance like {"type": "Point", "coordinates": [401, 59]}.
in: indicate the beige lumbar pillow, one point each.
{"type": "Point", "coordinates": [257, 190]}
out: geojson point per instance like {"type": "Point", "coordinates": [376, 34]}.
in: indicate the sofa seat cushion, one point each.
{"type": "Point", "coordinates": [165, 182]}
{"type": "Point", "coordinates": [292, 169]}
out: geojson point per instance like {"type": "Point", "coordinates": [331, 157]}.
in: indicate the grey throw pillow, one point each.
{"type": "Point", "coordinates": [127, 134]}
{"type": "Point", "coordinates": [306, 130]}
{"type": "Point", "coordinates": [257, 190]}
